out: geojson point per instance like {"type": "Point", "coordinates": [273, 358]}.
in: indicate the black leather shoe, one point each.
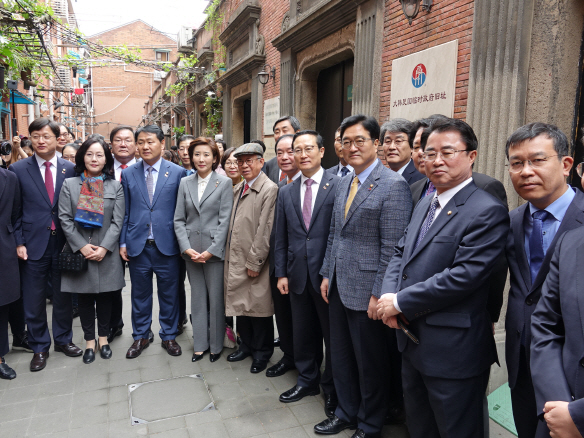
{"type": "Point", "coordinates": [298, 393]}
{"type": "Point", "coordinates": [21, 343]}
{"type": "Point", "coordinates": [69, 349]}
{"type": "Point", "coordinates": [113, 333]}
{"type": "Point", "coordinates": [330, 404]}
{"type": "Point", "coordinates": [214, 357]}
{"type": "Point", "coordinates": [258, 366]}
{"type": "Point", "coordinates": [332, 426]}
{"type": "Point", "coordinates": [278, 370]}
{"type": "Point", "coordinates": [39, 361]}
{"type": "Point", "coordinates": [137, 348]}
{"type": "Point", "coordinates": [89, 355]}
{"type": "Point", "coordinates": [6, 372]}
{"type": "Point", "coordinates": [360, 433]}
{"type": "Point", "coordinates": [197, 357]}
{"type": "Point", "coordinates": [395, 415]}
{"type": "Point", "coordinates": [277, 342]}
{"type": "Point", "coordinates": [236, 356]}
{"type": "Point", "coordinates": [105, 351]}
{"type": "Point", "coordinates": [150, 336]}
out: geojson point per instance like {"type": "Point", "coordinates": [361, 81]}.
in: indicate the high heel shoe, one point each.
{"type": "Point", "coordinates": [197, 357]}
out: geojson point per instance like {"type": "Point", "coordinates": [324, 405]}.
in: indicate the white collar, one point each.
{"type": "Point", "coordinates": [251, 182]}
{"type": "Point", "coordinates": [117, 164]}
{"type": "Point", "coordinates": [41, 161]}
{"type": "Point", "coordinates": [401, 169]}
{"type": "Point", "coordinates": [206, 179]}
{"type": "Point", "coordinates": [317, 177]}
{"type": "Point", "coordinates": [295, 177]}
{"type": "Point", "coordinates": [446, 196]}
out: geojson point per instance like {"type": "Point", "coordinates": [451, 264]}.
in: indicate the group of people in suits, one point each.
{"type": "Point", "coordinates": [398, 271]}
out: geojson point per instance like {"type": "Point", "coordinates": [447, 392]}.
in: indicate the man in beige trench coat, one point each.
{"type": "Point", "coordinates": [247, 283]}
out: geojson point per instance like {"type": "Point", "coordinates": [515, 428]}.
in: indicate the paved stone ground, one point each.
{"type": "Point", "coordinates": [71, 399]}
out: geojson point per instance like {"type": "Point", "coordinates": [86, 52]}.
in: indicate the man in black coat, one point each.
{"type": "Point", "coordinates": [10, 291]}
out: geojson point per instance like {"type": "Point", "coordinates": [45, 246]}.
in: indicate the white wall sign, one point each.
{"type": "Point", "coordinates": [271, 114]}
{"type": "Point", "coordinates": [424, 83]}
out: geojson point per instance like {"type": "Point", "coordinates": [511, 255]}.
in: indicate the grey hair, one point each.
{"type": "Point", "coordinates": [396, 125]}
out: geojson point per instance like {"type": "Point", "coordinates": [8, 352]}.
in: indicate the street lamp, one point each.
{"type": "Point", "coordinates": [411, 8]}
{"type": "Point", "coordinates": [267, 73]}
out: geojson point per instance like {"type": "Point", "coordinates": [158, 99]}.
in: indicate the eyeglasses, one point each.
{"type": "Point", "coordinates": [249, 161]}
{"type": "Point", "coordinates": [123, 141]}
{"type": "Point", "coordinates": [231, 163]}
{"type": "Point", "coordinates": [44, 137]}
{"type": "Point", "coordinates": [307, 150]}
{"type": "Point", "coordinates": [358, 142]}
{"type": "Point", "coordinates": [516, 166]}
{"type": "Point", "coordinates": [338, 140]}
{"type": "Point", "coordinates": [445, 154]}
{"type": "Point", "coordinates": [63, 135]}
{"type": "Point", "coordinates": [397, 142]}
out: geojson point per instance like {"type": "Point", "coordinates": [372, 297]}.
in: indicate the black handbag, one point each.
{"type": "Point", "coordinates": [72, 262]}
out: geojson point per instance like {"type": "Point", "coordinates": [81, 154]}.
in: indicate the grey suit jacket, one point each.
{"type": "Point", "coordinates": [107, 275]}
{"type": "Point", "coordinates": [203, 224]}
{"type": "Point", "coordinates": [272, 170]}
{"type": "Point", "coordinates": [361, 244]}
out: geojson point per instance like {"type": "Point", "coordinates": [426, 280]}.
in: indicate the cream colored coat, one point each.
{"type": "Point", "coordinates": [248, 247]}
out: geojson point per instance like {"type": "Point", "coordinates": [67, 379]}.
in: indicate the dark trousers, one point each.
{"type": "Point", "coordinates": [116, 319]}
{"type": "Point", "coordinates": [443, 408]}
{"type": "Point", "coordinates": [16, 317]}
{"type": "Point", "coordinates": [523, 400]}
{"type": "Point", "coordinates": [395, 394]}
{"type": "Point", "coordinates": [257, 336]}
{"type": "Point", "coordinates": [4, 347]}
{"type": "Point", "coordinates": [152, 261]}
{"type": "Point", "coordinates": [311, 327]}
{"type": "Point", "coordinates": [89, 304]}
{"type": "Point", "coordinates": [182, 294]}
{"type": "Point", "coordinates": [359, 355]}
{"type": "Point", "coordinates": [34, 275]}
{"type": "Point", "coordinates": [283, 312]}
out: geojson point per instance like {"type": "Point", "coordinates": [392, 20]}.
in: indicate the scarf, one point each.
{"type": "Point", "coordinates": [90, 205]}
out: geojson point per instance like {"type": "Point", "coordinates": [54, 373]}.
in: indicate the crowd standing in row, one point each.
{"type": "Point", "coordinates": [399, 271]}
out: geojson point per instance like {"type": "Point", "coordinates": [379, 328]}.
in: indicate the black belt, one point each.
{"type": "Point", "coordinates": [150, 242]}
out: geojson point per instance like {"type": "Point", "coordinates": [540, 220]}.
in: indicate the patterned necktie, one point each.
{"type": "Point", "coordinates": [245, 189]}
{"type": "Point", "coordinates": [282, 176]}
{"type": "Point", "coordinates": [307, 206]}
{"type": "Point", "coordinates": [150, 184]}
{"type": "Point", "coordinates": [428, 221]}
{"type": "Point", "coordinates": [50, 187]}
{"type": "Point", "coordinates": [431, 189]}
{"type": "Point", "coordinates": [344, 171]}
{"type": "Point", "coordinates": [123, 166]}
{"type": "Point", "coordinates": [352, 193]}
{"type": "Point", "coordinates": [536, 253]}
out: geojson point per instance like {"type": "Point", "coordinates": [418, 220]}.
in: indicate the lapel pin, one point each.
{"type": "Point", "coordinates": [63, 171]}
{"type": "Point", "coordinates": [327, 184]}
{"type": "Point", "coordinates": [324, 187]}
{"type": "Point", "coordinates": [166, 174]}
{"type": "Point", "coordinates": [449, 213]}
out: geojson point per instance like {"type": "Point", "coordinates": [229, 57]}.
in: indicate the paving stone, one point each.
{"type": "Point", "coordinates": [234, 408]}
{"type": "Point", "coordinates": [295, 432]}
{"type": "Point", "coordinates": [117, 394]}
{"type": "Point", "coordinates": [158, 373]}
{"type": "Point", "coordinates": [278, 419]}
{"type": "Point", "coordinates": [92, 383]}
{"type": "Point", "coordinates": [195, 420]}
{"type": "Point", "coordinates": [42, 424]}
{"type": "Point", "coordinates": [14, 429]}
{"type": "Point", "coordinates": [166, 425]}
{"type": "Point", "coordinates": [226, 391]}
{"type": "Point", "coordinates": [208, 430]}
{"type": "Point", "coordinates": [244, 427]}
{"type": "Point", "coordinates": [56, 388]}
{"type": "Point", "coordinates": [118, 411]}
{"type": "Point", "coordinates": [265, 402]}
{"type": "Point", "coordinates": [123, 429]}
{"type": "Point", "coordinates": [258, 385]}
{"type": "Point", "coordinates": [92, 431]}
{"type": "Point", "coordinates": [309, 413]}
{"type": "Point", "coordinates": [17, 411]}
{"type": "Point", "coordinates": [220, 376]}
{"type": "Point", "coordinates": [119, 378]}
{"type": "Point", "coordinates": [91, 398]}
{"type": "Point", "coordinates": [53, 405]}
{"type": "Point", "coordinates": [81, 417]}
{"type": "Point", "coordinates": [17, 395]}
{"type": "Point", "coordinates": [176, 433]}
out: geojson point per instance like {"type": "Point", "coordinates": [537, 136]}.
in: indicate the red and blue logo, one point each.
{"type": "Point", "coordinates": [419, 75]}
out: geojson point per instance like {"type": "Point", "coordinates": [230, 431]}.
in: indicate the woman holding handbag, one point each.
{"type": "Point", "coordinates": [91, 211]}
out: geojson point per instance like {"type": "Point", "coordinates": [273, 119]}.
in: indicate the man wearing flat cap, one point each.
{"type": "Point", "coordinates": [247, 283]}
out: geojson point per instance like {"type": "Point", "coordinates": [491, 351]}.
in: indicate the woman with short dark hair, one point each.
{"type": "Point", "coordinates": [229, 163]}
{"type": "Point", "coordinates": [91, 211]}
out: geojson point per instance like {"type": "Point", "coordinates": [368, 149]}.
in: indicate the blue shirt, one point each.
{"type": "Point", "coordinates": [550, 226]}
{"type": "Point", "coordinates": [363, 175]}
{"type": "Point", "coordinates": [190, 172]}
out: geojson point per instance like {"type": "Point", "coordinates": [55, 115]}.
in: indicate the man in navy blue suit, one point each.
{"type": "Point", "coordinates": [539, 163]}
{"type": "Point", "coordinates": [437, 284]}
{"type": "Point", "coordinates": [398, 149]}
{"type": "Point", "coordinates": [148, 241]}
{"type": "Point", "coordinates": [304, 210]}
{"type": "Point", "coordinates": [40, 239]}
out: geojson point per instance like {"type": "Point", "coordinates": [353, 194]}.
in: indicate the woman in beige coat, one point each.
{"type": "Point", "coordinates": [247, 283]}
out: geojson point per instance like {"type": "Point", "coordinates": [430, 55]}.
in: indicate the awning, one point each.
{"type": "Point", "coordinates": [19, 98]}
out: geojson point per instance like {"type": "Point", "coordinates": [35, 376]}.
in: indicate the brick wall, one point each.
{"type": "Point", "coordinates": [448, 20]}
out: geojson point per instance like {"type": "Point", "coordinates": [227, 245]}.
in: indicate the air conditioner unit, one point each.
{"type": "Point", "coordinates": [184, 36]}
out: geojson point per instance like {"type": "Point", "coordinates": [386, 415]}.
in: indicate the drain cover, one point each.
{"type": "Point", "coordinates": [169, 398]}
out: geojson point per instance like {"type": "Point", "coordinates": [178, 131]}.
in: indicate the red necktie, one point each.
{"type": "Point", "coordinates": [123, 166]}
{"type": "Point", "coordinates": [50, 187]}
{"type": "Point", "coordinates": [245, 188]}
{"type": "Point", "coordinates": [282, 176]}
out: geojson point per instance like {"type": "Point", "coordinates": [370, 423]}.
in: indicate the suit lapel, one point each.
{"type": "Point", "coordinates": [138, 172]}
{"type": "Point", "coordinates": [367, 187]}
{"type": "Point", "coordinates": [519, 242]}
{"type": "Point", "coordinates": [295, 193]}
{"type": "Point", "coordinates": [415, 224]}
{"type": "Point", "coordinates": [193, 189]}
{"type": "Point", "coordinates": [163, 175]}
{"type": "Point", "coordinates": [321, 195]}
{"type": "Point", "coordinates": [35, 174]}
{"type": "Point", "coordinates": [61, 170]}
{"type": "Point", "coordinates": [2, 183]}
{"type": "Point", "coordinates": [211, 186]}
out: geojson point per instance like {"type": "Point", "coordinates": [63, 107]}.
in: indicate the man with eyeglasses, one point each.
{"type": "Point", "coordinates": [398, 149]}
{"type": "Point", "coordinates": [343, 168]}
{"type": "Point", "coordinates": [436, 288]}
{"type": "Point", "coordinates": [62, 139]}
{"type": "Point", "coordinates": [539, 163]}
{"type": "Point", "coordinates": [39, 240]}
{"type": "Point", "coordinates": [247, 281]}
{"type": "Point", "coordinates": [371, 211]}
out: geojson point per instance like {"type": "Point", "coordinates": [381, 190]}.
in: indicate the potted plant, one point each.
{"type": "Point", "coordinates": [221, 68]}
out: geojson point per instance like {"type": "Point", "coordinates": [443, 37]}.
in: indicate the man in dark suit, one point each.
{"type": "Point", "coordinates": [372, 209]}
{"type": "Point", "coordinates": [148, 241]}
{"type": "Point", "coordinates": [398, 150]}
{"type": "Point", "coordinates": [40, 239]}
{"type": "Point", "coordinates": [303, 217]}
{"type": "Point", "coordinates": [282, 308]}
{"type": "Point", "coordinates": [343, 168]}
{"type": "Point", "coordinates": [539, 163]}
{"type": "Point", "coordinates": [10, 292]}
{"type": "Point", "coordinates": [437, 284]}
{"type": "Point", "coordinates": [557, 342]}
{"type": "Point", "coordinates": [284, 125]}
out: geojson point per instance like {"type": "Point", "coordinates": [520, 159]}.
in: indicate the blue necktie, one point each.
{"type": "Point", "coordinates": [428, 221]}
{"type": "Point", "coordinates": [536, 252]}
{"type": "Point", "coordinates": [344, 171]}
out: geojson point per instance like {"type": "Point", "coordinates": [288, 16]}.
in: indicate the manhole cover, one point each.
{"type": "Point", "coordinates": [169, 398]}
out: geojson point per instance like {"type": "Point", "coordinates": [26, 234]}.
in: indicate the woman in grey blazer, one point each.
{"type": "Point", "coordinates": [91, 211]}
{"type": "Point", "coordinates": [201, 222]}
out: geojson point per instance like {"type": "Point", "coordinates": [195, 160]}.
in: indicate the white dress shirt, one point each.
{"type": "Point", "coordinates": [59, 154]}
{"type": "Point", "coordinates": [294, 178]}
{"type": "Point", "coordinates": [249, 184]}
{"type": "Point", "coordinates": [53, 161]}
{"type": "Point", "coordinates": [317, 178]}
{"type": "Point", "coordinates": [401, 169]}
{"type": "Point", "coordinates": [118, 167]}
{"type": "Point", "coordinates": [443, 199]}
{"type": "Point", "coordinates": [203, 184]}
